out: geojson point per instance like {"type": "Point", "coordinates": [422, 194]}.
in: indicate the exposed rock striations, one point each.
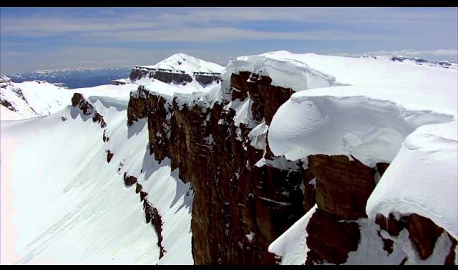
{"type": "Point", "coordinates": [245, 197]}
{"type": "Point", "coordinates": [238, 208]}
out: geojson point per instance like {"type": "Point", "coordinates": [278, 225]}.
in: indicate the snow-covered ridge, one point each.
{"type": "Point", "coordinates": [369, 120]}
{"type": "Point", "coordinates": [360, 126]}
{"type": "Point", "coordinates": [178, 69]}
{"type": "Point", "coordinates": [426, 166]}
{"type": "Point", "coordinates": [287, 73]}
{"type": "Point", "coordinates": [31, 99]}
{"type": "Point", "coordinates": [413, 60]}
{"type": "Point", "coordinates": [396, 112]}
{"type": "Point", "coordinates": [184, 63]}
{"type": "Point", "coordinates": [81, 199]}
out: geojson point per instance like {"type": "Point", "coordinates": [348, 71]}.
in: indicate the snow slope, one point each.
{"type": "Point", "coordinates": [34, 98]}
{"type": "Point", "coordinates": [72, 206]}
{"type": "Point", "coordinates": [188, 64]}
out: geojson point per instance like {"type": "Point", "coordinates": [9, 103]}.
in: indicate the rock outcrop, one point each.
{"type": "Point", "coordinates": [238, 208]}
{"type": "Point", "coordinates": [245, 197]}
{"type": "Point", "coordinates": [342, 190]}
{"type": "Point", "coordinates": [170, 76]}
{"type": "Point", "coordinates": [78, 101]}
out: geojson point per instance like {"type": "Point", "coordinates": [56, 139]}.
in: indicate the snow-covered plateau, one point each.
{"type": "Point", "coordinates": [276, 158]}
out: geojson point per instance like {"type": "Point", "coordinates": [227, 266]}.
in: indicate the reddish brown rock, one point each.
{"type": "Point", "coordinates": [234, 198]}
{"type": "Point", "coordinates": [143, 195]}
{"type": "Point", "coordinates": [105, 137]}
{"type": "Point", "coordinates": [152, 216]}
{"type": "Point", "coordinates": [129, 180]}
{"type": "Point", "coordinates": [382, 167]}
{"type": "Point", "coordinates": [423, 233]}
{"type": "Point", "coordinates": [310, 190]}
{"type": "Point", "coordinates": [86, 108]}
{"type": "Point", "coordinates": [109, 156]}
{"type": "Point", "coordinates": [266, 97]}
{"type": "Point", "coordinates": [138, 188]}
{"type": "Point", "coordinates": [390, 224]}
{"type": "Point", "coordinates": [242, 198]}
{"type": "Point", "coordinates": [330, 238]}
{"type": "Point", "coordinates": [136, 108]}
{"type": "Point", "coordinates": [343, 186]}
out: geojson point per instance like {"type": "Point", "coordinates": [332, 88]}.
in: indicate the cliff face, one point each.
{"type": "Point", "coordinates": [173, 77]}
{"type": "Point", "coordinates": [241, 204]}
{"type": "Point", "coordinates": [238, 208]}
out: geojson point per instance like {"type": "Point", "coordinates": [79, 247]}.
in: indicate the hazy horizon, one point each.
{"type": "Point", "coordinates": [35, 39]}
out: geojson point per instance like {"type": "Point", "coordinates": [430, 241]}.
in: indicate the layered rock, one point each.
{"type": "Point", "coordinates": [242, 204]}
{"type": "Point", "coordinates": [342, 190]}
{"type": "Point", "coordinates": [238, 208]}
{"type": "Point", "coordinates": [176, 77]}
{"type": "Point", "coordinates": [343, 185]}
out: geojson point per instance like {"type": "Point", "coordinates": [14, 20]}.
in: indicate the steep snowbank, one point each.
{"type": "Point", "coordinates": [369, 124]}
{"type": "Point", "coordinates": [287, 73]}
{"type": "Point", "coordinates": [292, 244]}
{"type": "Point", "coordinates": [422, 178]}
{"type": "Point", "coordinates": [81, 210]}
{"type": "Point", "coordinates": [367, 120]}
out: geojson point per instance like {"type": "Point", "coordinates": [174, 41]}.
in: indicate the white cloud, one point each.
{"type": "Point", "coordinates": [212, 34]}
{"type": "Point", "coordinates": [172, 20]}
{"type": "Point", "coordinates": [381, 27]}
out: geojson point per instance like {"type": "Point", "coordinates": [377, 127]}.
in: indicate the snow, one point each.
{"type": "Point", "coordinates": [426, 169]}
{"type": "Point", "coordinates": [371, 130]}
{"type": "Point", "coordinates": [35, 98]}
{"type": "Point", "coordinates": [383, 102]}
{"type": "Point", "coordinates": [81, 212]}
{"type": "Point", "coordinates": [188, 64]}
{"type": "Point", "coordinates": [258, 136]}
{"type": "Point", "coordinates": [250, 236]}
{"type": "Point", "coordinates": [243, 112]}
{"type": "Point", "coordinates": [189, 95]}
{"type": "Point", "coordinates": [284, 73]}
{"type": "Point", "coordinates": [370, 249]}
{"type": "Point", "coordinates": [7, 114]}
{"type": "Point", "coordinates": [292, 244]}
{"type": "Point", "coordinates": [380, 111]}
{"type": "Point", "coordinates": [373, 110]}
{"type": "Point", "coordinates": [366, 72]}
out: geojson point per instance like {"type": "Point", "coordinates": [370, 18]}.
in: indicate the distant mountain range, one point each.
{"type": "Point", "coordinates": [75, 78]}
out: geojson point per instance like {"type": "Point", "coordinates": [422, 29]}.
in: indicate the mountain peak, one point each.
{"type": "Point", "coordinates": [187, 64]}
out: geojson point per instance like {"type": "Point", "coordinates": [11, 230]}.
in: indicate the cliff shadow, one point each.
{"type": "Point", "coordinates": [182, 189]}
{"type": "Point", "coordinates": [136, 128]}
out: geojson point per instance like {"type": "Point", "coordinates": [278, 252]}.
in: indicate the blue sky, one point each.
{"type": "Point", "coordinates": [54, 38]}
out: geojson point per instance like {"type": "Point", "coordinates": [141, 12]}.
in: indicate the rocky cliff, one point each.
{"type": "Point", "coordinates": [176, 77]}
{"type": "Point", "coordinates": [245, 197]}
{"type": "Point", "coordinates": [238, 208]}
